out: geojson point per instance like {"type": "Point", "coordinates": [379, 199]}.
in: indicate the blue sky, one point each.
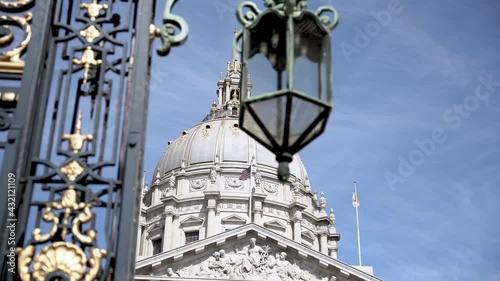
{"type": "Point", "coordinates": [415, 122]}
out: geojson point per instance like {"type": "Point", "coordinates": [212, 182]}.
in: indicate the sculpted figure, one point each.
{"type": "Point", "coordinates": [250, 260]}
{"type": "Point", "coordinates": [164, 192]}
{"type": "Point", "coordinates": [171, 181]}
{"type": "Point", "coordinates": [216, 265]}
{"type": "Point", "coordinates": [227, 263]}
{"type": "Point", "coordinates": [170, 272]}
{"type": "Point", "coordinates": [322, 201]}
{"type": "Point", "coordinates": [271, 263]}
{"type": "Point", "coordinates": [258, 178]}
{"type": "Point", "coordinates": [213, 175]}
{"type": "Point", "coordinates": [204, 270]}
{"type": "Point", "coordinates": [284, 268]}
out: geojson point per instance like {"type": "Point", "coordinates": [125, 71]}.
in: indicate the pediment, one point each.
{"type": "Point", "coordinates": [234, 219]}
{"type": "Point", "coordinates": [249, 252]}
{"type": "Point", "coordinates": [155, 226]}
{"type": "Point", "coordinates": [308, 234]}
{"type": "Point", "coordinates": [191, 220]}
{"type": "Point", "coordinates": [275, 224]}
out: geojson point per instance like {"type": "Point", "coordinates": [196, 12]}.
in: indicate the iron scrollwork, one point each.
{"type": "Point", "coordinates": [329, 24]}
{"type": "Point", "coordinates": [248, 12]}
{"type": "Point", "coordinates": [15, 36]}
{"type": "Point", "coordinates": [75, 158]}
{"type": "Point", "coordinates": [167, 31]}
{"type": "Point", "coordinates": [77, 169]}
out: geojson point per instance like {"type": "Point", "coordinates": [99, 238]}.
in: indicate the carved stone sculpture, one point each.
{"type": "Point", "coordinates": [170, 272]}
{"type": "Point", "coordinates": [213, 175]}
{"type": "Point", "coordinates": [322, 201]}
{"type": "Point", "coordinates": [252, 262]}
{"type": "Point", "coordinates": [258, 178]}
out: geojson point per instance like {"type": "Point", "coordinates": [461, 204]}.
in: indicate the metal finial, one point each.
{"type": "Point", "coordinates": [78, 126]}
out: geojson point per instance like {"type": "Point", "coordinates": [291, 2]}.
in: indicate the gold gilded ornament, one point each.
{"type": "Point", "coordinates": [90, 33]}
{"type": "Point", "coordinates": [10, 59]}
{"type": "Point", "coordinates": [76, 140]}
{"type": "Point", "coordinates": [60, 256]}
{"type": "Point", "coordinates": [72, 170]}
{"type": "Point", "coordinates": [93, 9]}
{"type": "Point", "coordinates": [88, 60]}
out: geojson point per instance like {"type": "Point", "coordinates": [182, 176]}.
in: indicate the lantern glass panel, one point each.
{"type": "Point", "coordinates": [304, 114]}
{"type": "Point", "coordinates": [273, 114]}
{"type": "Point", "coordinates": [263, 77]}
{"type": "Point", "coordinates": [311, 47]}
{"type": "Point", "coordinates": [317, 130]}
{"type": "Point", "coordinates": [267, 54]}
{"type": "Point", "coordinates": [249, 124]}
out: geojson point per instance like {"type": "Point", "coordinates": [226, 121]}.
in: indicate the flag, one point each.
{"type": "Point", "coordinates": [245, 174]}
{"type": "Point", "coordinates": [355, 200]}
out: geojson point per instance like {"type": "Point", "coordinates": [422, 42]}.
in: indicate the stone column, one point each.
{"type": "Point", "coordinates": [149, 247]}
{"type": "Point", "coordinates": [258, 207]}
{"type": "Point", "coordinates": [316, 243]}
{"type": "Point", "coordinates": [323, 242]}
{"type": "Point", "coordinates": [211, 197]}
{"type": "Point", "coordinates": [139, 240]}
{"type": "Point", "coordinates": [176, 237]}
{"type": "Point", "coordinates": [170, 202]}
{"type": "Point", "coordinates": [333, 238]}
{"type": "Point", "coordinates": [297, 229]}
{"type": "Point", "coordinates": [296, 211]}
{"type": "Point", "coordinates": [257, 217]}
{"type": "Point", "coordinates": [219, 94]}
{"type": "Point", "coordinates": [167, 231]}
{"type": "Point", "coordinates": [211, 221]}
{"type": "Point", "coordinates": [333, 250]}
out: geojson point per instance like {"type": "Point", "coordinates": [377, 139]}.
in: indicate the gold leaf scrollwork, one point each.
{"type": "Point", "coordinates": [10, 60]}
{"type": "Point", "coordinates": [48, 216]}
{"type": "Point", "coordinates": [14, 4]}
{"type": "Point", "coordinates": [61, 256]}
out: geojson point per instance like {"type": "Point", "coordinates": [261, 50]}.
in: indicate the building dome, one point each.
{"type": "Point", "coordinates": [214, 178]}
{"type": "Point", "coordinates": [220, 141]}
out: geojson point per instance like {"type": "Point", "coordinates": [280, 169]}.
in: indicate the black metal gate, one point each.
{"type": "Point", "coordinates": [73, 103]}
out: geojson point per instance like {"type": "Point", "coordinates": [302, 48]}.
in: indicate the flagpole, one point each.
{"type": "Point", "coordinates": [250, 194]}
{"type": "Point", "coordinates": [357, 223]}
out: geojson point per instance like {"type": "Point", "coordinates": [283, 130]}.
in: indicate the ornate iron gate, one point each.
{"type": "Point", "coordinates": [74, 81]}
